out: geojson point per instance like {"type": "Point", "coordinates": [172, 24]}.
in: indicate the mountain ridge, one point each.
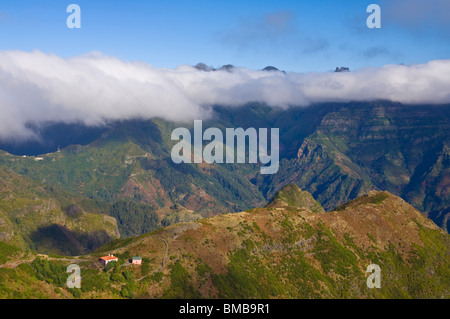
{"type": "Point", "coordinates": [335, 151]}
{"type": "Point", "coordinates": [279, 252]}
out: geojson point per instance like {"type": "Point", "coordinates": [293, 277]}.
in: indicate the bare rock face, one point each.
{"type": "Point", "coordinates": [357, 148]}
{"type": "Point", "coordinates": [342, 69]}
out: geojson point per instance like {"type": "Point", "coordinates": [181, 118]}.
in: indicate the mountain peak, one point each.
{"type": "Point", "coordinates": [204, 67]}
{"type": "Point", "coordinates": [271, 68]}
{"type": "Point", "coordinates": [372, 197]}
{"type": "Point", "coordinates": [292, 195]}
{"type": "Point", "coordinates": [227, 67]}
{"type": "Point", "coordinates": [342, 69]}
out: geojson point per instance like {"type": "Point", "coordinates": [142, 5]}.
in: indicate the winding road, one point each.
{"type": "Point", "coordinates": [165, 254]}
{"type": "Point", "coordinates": [162, 263]}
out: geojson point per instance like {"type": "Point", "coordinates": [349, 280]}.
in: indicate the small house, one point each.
{"type": "Point", "coordinates": [136, 260]}
{"type": "Point", "coordinates": [106, 259]}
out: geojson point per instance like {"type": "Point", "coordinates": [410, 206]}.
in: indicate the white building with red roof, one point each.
{"type": "Point", "coordinates": [106, 259]}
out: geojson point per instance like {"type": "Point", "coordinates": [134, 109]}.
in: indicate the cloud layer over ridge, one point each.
{"type": "Point", "coordinates": [94, 88]}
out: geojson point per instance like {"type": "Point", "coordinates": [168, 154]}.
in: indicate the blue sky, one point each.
{"type": "Point", "coordinates": [299, 36]}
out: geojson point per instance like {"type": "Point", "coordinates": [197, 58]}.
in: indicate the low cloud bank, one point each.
{"type": "Point", "coordinates": [38, 88]}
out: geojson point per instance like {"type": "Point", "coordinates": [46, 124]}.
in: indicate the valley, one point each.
{"type": "Point", "coordinates": [225, 230]}
{"type": "Point", "coordinates": [335, 151]}
{"type": "Point", "coordinates": [289, 249]}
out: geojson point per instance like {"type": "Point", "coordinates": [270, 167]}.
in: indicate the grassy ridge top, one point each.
{"type": "Point", "coordinates": [284, 251]}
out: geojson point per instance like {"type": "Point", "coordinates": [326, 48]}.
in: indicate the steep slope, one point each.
{"type": "Point", "coordinates": [291, 252]}
{"type": "Point", "coordinates": [34, 216]}
{"type": "Point", "coordinates": [358, 147]}
{"type": "Point", "coordinates": [283, 251]}
{"type": "Point", "coordinates": [441, 217]}
{"type": "Point", "coordinates": [322, 170]}
{"type": "Point", "coordinates": [335, 151]}
{"type": "Point", "coordinates": [292, 195]}
{"type": "Point", "coordinates": [131, 161]}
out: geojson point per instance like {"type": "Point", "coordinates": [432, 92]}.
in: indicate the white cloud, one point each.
{"type": "Point", "coordinates": [94, 88]}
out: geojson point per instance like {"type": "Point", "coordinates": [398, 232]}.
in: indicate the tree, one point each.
{"type": "Point", "coordinates": [124, 292]}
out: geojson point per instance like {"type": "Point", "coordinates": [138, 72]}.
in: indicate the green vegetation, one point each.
{"type": "Point", "coordinates": [292, 195]}
{"type": "Point", "coordinates": [291, 259]}
{"type": "Point", "coordinates": [110, 265]}
{"type": "Point", "coordinates": [76, 293]}
{"type": "Point", "coordinates": [94, 280]}
{"type": "Point", "coordinates": [364, 200]}
{"type": "Point", "coordinates": [203, 269]}
{"type": "Point", "coordinates": [70, 203]}
{"type": "Point", "coordinates": [134, 219]}
{"type": "Point", "coordinates": [225, 183]}
{"type": "Point", "coordinates": [48, 219]}
{"type": "Point", "coordinates": [371, 238]}
{"type": "Point", "coordinates": [145, 266]}
{"type": "Point", "coordinates": [116, 243]}
{"type": "Point", "coordinates": [181, 286]}
{"type": "Point", "coordinates": [247, 277]}
{"type": "Point", "coordinates": [333, 255]}
{"type": "Point", "coordinates": [51, 272]}
{"type": "Point", "coordinates": [6, 252]}
{"type": "Point", "coordinates": [21, 283]}
{"type": "Point", "coordinates": [157, 276]}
